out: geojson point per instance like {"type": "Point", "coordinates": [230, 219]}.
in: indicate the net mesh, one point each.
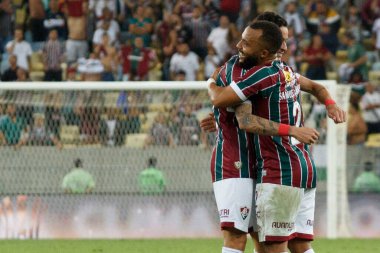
{"type": "Point", "coordinates": [115, 133]}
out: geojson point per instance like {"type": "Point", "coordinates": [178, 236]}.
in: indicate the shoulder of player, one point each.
{"type": "Point", "coordinates": [261, 72]}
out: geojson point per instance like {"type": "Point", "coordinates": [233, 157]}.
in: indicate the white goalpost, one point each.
{"type": "Point", "coordinates": [37, 171]}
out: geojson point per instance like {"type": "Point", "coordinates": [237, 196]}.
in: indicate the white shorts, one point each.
{"type": "Point", "coordinates": [236, 203]}
{"type": "Point", "coordinates": [284, 212]}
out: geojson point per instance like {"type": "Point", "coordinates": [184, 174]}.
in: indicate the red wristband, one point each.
{"type": "Point", "coordinates": [329, 102]}
{"type": "Point", "coordinates": [283, 130]}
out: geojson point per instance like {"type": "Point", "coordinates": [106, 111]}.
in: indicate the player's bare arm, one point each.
{"type": "Point", "coordinates": [222, 96]}
{"type": "Point", "coordinates": [322, 94]}
{"type": "Point", "coordinates": [258, 125]}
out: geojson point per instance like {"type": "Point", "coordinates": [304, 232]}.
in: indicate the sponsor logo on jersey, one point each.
{"type": "Point", "coordinates": [237, 165]}
{"type": "Point", "coordinates": [310, 223]}
{"type": "Point", "coordinates": [224, 213]}
{"type": "Point", "coordinates": [291, 88]}
{"type": "Point", "coordinates": [244, 211]}
{"type": "Point", "coordinates": [286, 225]}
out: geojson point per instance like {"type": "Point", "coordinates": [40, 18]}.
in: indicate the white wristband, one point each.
{"type": "Point", "coordinates": [209, 81]}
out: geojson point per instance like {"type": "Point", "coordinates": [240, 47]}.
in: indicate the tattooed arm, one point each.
{"type": "Point", "coordinates": [258, 125]}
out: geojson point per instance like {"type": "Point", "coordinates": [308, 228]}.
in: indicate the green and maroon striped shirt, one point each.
{"type": "Point", "coordinates": [233, 155]}
{"type": "Point", "coordinates": [274, 90]}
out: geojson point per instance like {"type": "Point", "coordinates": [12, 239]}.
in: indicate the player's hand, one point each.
{"type": "Point", "coordinates": [208, 124]}
{"type": "Point", "coordinates": [305, 135]}
{"type": "Point", "coordinates": [335, 113]}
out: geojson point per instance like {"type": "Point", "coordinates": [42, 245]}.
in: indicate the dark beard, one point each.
{"type": "Point", "coordinates": [249, 62]}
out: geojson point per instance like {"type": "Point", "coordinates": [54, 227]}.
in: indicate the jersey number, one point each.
{"type": "Point", "coordinates": [297, 118]}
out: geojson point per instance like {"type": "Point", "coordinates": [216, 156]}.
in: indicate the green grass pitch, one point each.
{"type": "Point", "coordinates": [168, 246]}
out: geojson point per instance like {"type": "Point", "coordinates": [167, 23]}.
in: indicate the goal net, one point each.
{"type": "Point", "coordinates": [115, 130]}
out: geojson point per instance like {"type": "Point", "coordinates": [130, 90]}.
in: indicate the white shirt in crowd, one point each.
{"type": "Point", "coordinates": [376, 30]}
{"type": "Point", "coordinates": [188, 63]}
{"type": "Point", "coordinates": [97, 39]}
{"type": "Point", "coordinates": [98, 5]}
{"type": "Point", "coordinates": [218, 39]}
{"type": "Point", "coordinates": [90, 66]}
{"type": "Point", "coordinates": [295, 20]}
{"type": "Point", "coordinates": [22, 50]}
{"type": "Point", "coordinates": [114, 26]}
{"type": "Point", "coordinates": [211, 63]}
{"type": "Point", "coordinates": [371, 116]}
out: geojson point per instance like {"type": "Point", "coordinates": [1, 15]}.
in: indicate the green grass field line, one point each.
{"type": "Point", "coordinates": [168, 246]}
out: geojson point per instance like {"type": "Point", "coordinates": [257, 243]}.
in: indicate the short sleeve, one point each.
{"type": "Point", "coordinates": [255, 80]}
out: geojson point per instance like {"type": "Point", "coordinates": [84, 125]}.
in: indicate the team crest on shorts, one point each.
{"type": "Point", "coordinates": [237, 165]}
{"type": "Point", "coordinates": [244, 211]}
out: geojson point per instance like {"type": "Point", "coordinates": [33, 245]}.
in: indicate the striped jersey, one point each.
{"type": "Point", "coordinates": [274, 90]}
{"type": "Point", "coordinates": [233, 155]}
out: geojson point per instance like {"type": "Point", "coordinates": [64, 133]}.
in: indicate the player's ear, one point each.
{"type": "Point", "coordinates": [265, 53]}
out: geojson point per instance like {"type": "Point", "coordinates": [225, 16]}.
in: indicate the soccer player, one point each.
{"type": "Point", "coordinates": [232, 170]}
{"type": "Point", "coordinates": [286, 172]}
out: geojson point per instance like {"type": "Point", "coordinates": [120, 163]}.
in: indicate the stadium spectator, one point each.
{"type": "Point", "coordinates": [151, 180]}
{"type": "Point", "coordinates": [53, 53]}
{"type": "Point", "coordinates": [368, 180]}
{"type": "Point", "coordinates": [159, 134]}
{"type": "Point", "coordinates": [112, 129]}
{"type": "Point", "coordinates": [185, 60]}
{"type": "Point", "coordinates": [22, 75]}
{"type": "Point", "coordinates": [89, 119]}
{"type": "Point", "coordinates": [376, 35]}
{"type": "Point", "coordinates": [167, 35]}
{"type": "Point", "coordinates": [78, 180]}
{"type": "Point", "coordinates": [330, 40]}
{"type": "Point", "coordinates": [211, 13]}
{"type": "Point", "coordinates": [357, 58]}
{"type": "Point", "coordinates": [11, 127]}
{"type": "Point", "coordinates": [39, 135]}
{"type": "Point", "coordinates": [356, 126]}
{"type": "Point", "coordinates": [91, 68]}
{"type": "Point", "coordinates": [36, 23]}
{"type": "Point", "coordinates": [132, 121]}
{"type": "Point", "coordinates": [76, 45]}
{"type": "Point", "coordinates": [10, 74]}
{"type": "Point", "coordinates": [20, 48]}
{"type": "Point", "coordinates": [55, 20]}
{"type": "Point", "coordinates": [53, 114]}
{"type": "Point", "coordinates": [6, 13]}
{"type": "Point", "coordinates": [317, 57]}
{"type": "Point", "coordinates": [105, 28]}
{"type": "Point", "coordinates": [189, 130]}
{"type": "Point", "coordinates": [98, 7]}
{"type": "Point", "coordinates": [370, 10]}
{"type": "Point", "coordinates": [352, 22]}
{"type": "Point", "coordinates": [318, 13]}
{"type": "Point", "coordinates": [108, 57]}
{"type": "Point", "coordinates": [137, 60]}
{"type": "Point", "coordinates": [200, 30]}
{"type": "Point", "coordinates": [233, 37]}
{"type": "Point", "coordinates": [230, 9]}
{"type": "Point", "coordinates": [184, 32]}
{"type": "Point", "coordinates": [184, 9]}
{"type": "Point", "coordinates": [211, 61]}
{"type": "Point", "coordinates": [141, 26]}
{"type": "Point", "coordinates": [218, 37]}
{"type": "Point", "coordinates": [294, 19]}
{"type": "Point", "coordinates": [114, 27]}
{"type": "Point", "coordinates": [370, 104]}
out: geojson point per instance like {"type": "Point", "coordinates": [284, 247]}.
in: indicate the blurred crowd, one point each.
{"type": "Point", "coordinates": [176, 40]}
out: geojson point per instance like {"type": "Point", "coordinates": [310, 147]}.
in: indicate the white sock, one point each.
{"type": "Point", "coordinates": [309, 251]}
{"type": "Point", "coordinates": [229, 250]}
